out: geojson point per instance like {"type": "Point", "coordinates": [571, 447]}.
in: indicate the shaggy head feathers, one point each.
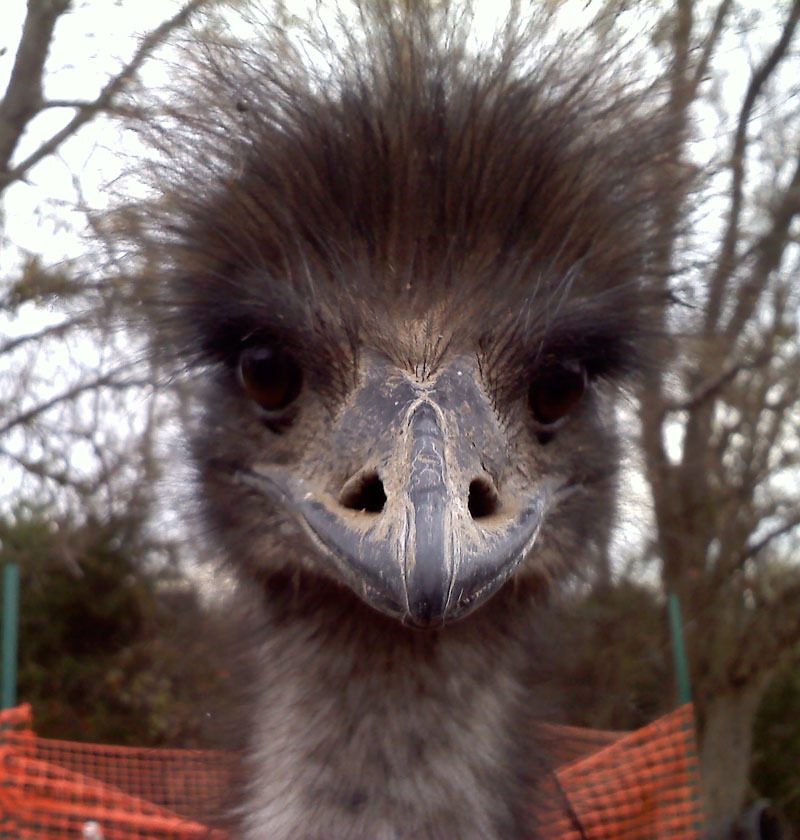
{"type": "Point", "coordinates": [389, 171]}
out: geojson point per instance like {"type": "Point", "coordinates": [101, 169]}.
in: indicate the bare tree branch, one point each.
{"type": "Point", "coordinates": [48, 332]}
{"type": "Point", "coordinates": [66, 103]}
{"type": "Point", "coordinates": [106, 380]}
{"type": "Point", "coordinates": [727, 256]}
{"type": "Point", "coordinates": [711, 41]}
{"type": "Point", "coordinates": [769, 253]}
{"type": "Point", "coordinates": [24, 92]}
{"type": "Point", "coordinates": [104, 100]}
{"type": "Point", "coordinates": [785, 527]}
{"type": "Point", "coordinates": [42, 470]}
{"type": "Point", "coordinates": [714, 386]}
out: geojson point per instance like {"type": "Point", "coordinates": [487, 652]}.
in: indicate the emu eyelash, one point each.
{"type": "Point", "coordinates": [508, 375]}
{"type": "Point", "coordinates": [327, 366]}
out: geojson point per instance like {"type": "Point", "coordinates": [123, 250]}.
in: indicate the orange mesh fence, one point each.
{"type": "Point", "coordinates": [608, 786]}
{"type": "Point", "coordinates": [642, 785]}
{"type": "Point", "coordinates": [58, 789]}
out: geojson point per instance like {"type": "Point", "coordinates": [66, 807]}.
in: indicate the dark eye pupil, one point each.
{"type": "Point", "coordinates": [556, 391]}
{"type": "Point", "coordinates": [269, 376]}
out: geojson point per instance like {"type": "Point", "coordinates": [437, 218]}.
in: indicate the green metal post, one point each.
{"type": "Point", "coordinates": [679, 650]}
{"type": "Point", "coordinates": [684, 692]}
{"type": "Point", "coordinates": [8, 686]}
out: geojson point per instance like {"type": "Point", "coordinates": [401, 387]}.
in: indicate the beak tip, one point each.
{"type": "Point", "coordinates": [424, 616]}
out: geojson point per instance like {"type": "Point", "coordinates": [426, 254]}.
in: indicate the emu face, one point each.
{"type": "Point", "coordinates": [415, 461]}
{"type": "Point", "coordinates": [411, 284]}
{"type": "Point", "coordinates": [411, 496]}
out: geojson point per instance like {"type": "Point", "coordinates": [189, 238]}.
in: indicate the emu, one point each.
{"type": "Point", "coordinates": [411, 274]}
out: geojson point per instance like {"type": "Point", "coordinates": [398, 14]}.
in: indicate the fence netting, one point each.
{"type": "Point", "coordinates": [640, 785]}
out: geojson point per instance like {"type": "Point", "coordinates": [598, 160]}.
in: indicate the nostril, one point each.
{"type": "Point", "coordinates": [365, 493]}
{"type": "Point", "coordinates": [483, 500]}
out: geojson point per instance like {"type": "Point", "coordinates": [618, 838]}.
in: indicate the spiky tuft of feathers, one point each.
{"type": "Point", "coordinates": [390, 168]}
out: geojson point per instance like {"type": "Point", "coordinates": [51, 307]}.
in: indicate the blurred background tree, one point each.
{"type": "Point", "coordinates": [719, 433]}
{"type": "Point", "coordinates": [115, 645]}
{"type": "Point", "coordinates": [776, 739]}
{"type": "Point", "coordinates": [117, 642]}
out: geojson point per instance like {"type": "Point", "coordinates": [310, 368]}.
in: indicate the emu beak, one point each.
{"type": "Point", "coordinates": [429, 555]}
{"type": "Point", "coordinates": [454, 564]}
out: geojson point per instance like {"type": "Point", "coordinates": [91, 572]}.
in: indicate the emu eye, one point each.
{"type": "Point", "coordinates": [270, 376]}
{"type": "Point", "coordinates": [556, 391]}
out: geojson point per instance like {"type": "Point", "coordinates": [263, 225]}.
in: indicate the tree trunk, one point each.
{"type": "Point", "coordinates": [725, 752]}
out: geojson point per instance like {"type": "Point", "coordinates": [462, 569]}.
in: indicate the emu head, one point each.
{"type": "Point", "coordinates": [412, 282]}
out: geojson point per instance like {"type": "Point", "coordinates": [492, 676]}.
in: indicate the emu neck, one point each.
{"type": "Point", "coordinates": [366, 729]}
